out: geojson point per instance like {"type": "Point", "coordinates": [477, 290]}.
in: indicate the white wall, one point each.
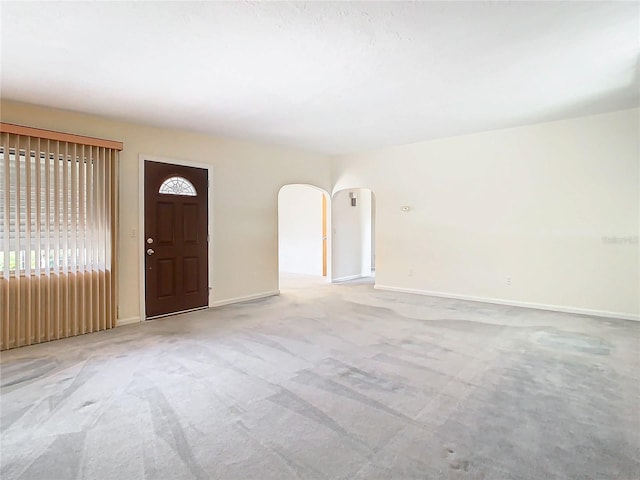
{"type": "Point", "coordinates": [246, 180]}
{"type": "Point", "coordinates": [553, 206]}
{"type": "Point", "coordinates": [300, 229]}
{"type": "Point", "coordinates": [373, 231]}
{"type": "Point", "coordinates": [351, 229]}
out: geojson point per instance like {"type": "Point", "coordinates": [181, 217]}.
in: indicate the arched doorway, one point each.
{"type": "Point", "coordinates": [303, 233]}
{"type": "Point", "coordinates": [353, 227]}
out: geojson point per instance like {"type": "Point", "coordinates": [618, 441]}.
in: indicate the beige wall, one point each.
{"type": "Point", "coordinates": [553, 206]}
{"type": "Point", "coordinates": [245, 185]}
{"type": "Point", "coordinates": [300, 230]}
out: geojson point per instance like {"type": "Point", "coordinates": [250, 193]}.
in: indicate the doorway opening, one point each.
{"type": "Point", "coordinates": [353, 214]}
{"type": "Point", "coordinates": [303, 247]}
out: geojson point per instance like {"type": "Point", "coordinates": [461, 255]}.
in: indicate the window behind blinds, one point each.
{"type": "Point", "coordinates": [57, 236]}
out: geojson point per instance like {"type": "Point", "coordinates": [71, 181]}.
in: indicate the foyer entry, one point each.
{"type": "Point", "coordinates": [175, 238]}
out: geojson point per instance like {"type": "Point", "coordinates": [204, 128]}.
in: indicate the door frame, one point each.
{"type": "Point", "coordinates": [140, 234]}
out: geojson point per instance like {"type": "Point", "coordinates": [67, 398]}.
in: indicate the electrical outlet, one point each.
{"type": "Point", "coordinates": [410, 272]}
{"type": "Point", "coordinates": [508, 280]}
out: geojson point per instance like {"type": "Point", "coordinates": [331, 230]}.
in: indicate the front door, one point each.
{"type": "Point", "coordinates": [176, 238]}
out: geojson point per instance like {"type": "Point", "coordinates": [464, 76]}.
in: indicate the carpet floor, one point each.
{"type": "Point", "coordinates": [330, 382]}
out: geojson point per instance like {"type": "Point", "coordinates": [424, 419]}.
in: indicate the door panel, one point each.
{"type": "Point", "coordinates": [176, 222]}
{"type": "Point", "coordinates": [190, 269]}
{"type": "Point", "coordinates": [166, 275]}
{"type": "Point", "coordinates": [165, 221]}
{"type": "Point", "coordinates": [191, 227]}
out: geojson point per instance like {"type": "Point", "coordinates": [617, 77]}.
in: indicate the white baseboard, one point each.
{"type": "Point", "coordinates": [127, 321]}
{"type": "Point", "coordinates": [246, 298]}
{"type": "Point", "coordinates": [345, 279]}
{"type": "Point", "coordinates": [513, 303]}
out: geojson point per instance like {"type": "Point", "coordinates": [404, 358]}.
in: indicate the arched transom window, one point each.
{"type": "Point", "coordinates": [178, 186]}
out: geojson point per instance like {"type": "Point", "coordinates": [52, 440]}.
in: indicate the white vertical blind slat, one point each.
{"type": "Point", "coordinates": [56, 207]}
{"type": "Point", "coordinates": [5, 293]}
{"type": "Point", "coordinates": [110, 293]}
{"type": "Point", "coordinates": [82, 182]}
{"type": "Point", "coordinates": [7, 202]}
{"type": "Point", "coordinates": [89, 235]}
{"type": "Point", "coordinates": [15, 323]}
{"type": "Point", "coordinates": [28, 240]}
{"type": "Point", "coordinates": [74, 240]}
{"type": "Point", "coordinates": [27, 197]}
{"type": "Point", "coordinates": [38, 207]}
{"type": "Point", "coordinates": [38, 233]}
{"type": "Point", "coordinates": [102, 243]}
{"type": "Point", "coordinates": [64, 208]}
{"type": "Point", "coordinates": [65, 195]}
{"type": "Point", "coordinates": [47, 222]}
{"type": "Point", "coordinates": [57, 230]}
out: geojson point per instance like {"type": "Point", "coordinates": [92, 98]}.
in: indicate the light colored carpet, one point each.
{"type": "Point", "coordinates": [330, 381]}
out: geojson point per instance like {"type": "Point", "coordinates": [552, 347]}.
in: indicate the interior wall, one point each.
{"type": "Point", "coordinates": [544, 215]}
{"type": "Point", "coordinates": [300, 229]}
{"type": "Point", "coordinates": [373, 230]}
{"type": "Point", "coordinates": [245, 184]}
{"type": "Point", "coordinates": [351, 234]}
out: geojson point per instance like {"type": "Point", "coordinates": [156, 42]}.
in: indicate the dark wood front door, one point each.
{"type": "Point", "coordinates": [176, 238]}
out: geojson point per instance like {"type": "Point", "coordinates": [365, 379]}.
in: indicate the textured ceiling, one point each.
{"type": "Point", "coordinates": [328, 77]}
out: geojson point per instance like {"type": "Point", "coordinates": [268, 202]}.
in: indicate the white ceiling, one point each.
{"type": "Point", "coordinates": [328, 77]}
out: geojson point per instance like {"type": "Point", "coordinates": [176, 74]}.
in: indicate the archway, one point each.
{"type": "Point", "coordinates": [303, 234]}
{"type": "Point", "coordinates": [353, 228]}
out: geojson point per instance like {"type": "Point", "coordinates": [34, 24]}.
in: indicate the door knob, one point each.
{"type": "Point", "coordinates": [150, 251]}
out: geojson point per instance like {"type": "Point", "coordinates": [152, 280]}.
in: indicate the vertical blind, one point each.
{"type": "Point", "coordinates": [58, 209]}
